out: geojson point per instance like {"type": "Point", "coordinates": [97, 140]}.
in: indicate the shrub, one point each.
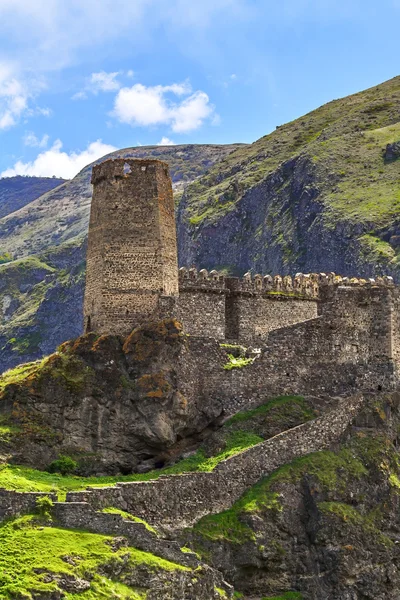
{"type": "Point", "coordinates": [64, 465]}
{"type": "Point", "coordinates": [44, 506]}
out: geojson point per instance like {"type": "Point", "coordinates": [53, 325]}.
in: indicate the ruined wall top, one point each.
{"type": "Point", "coordinates": [121, 167]}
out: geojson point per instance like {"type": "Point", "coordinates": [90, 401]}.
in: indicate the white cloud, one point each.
{"type": "Point", "coordinates": [79, 96]}
{"type": "Point", "coordinates": [146, 106]}
{"type": "Point", "coordinates": [104, 82]}
{"type": "Point", "coordinates": [13, 97]}
{"type": "Point", "coordinates": [30, 139]}
{"type": "Point", "coordinates": [99, 82]}
{"type": "Point", "coordinates": [56, 162]}
{"type": "Point", "coordinates": [165, 142]}
{"type": "Point", "coordinates": [191, 113]}
{"type": "Point", "coordinates": [16, 95]}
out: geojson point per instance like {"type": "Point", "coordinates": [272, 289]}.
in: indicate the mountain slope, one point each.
{"type": "Point", "coordinates": [41, 291]}
{"type": "Point", "coordinates": [320, 193]}
{"type": "Point", "coordinates": [16, 192]}
{"type": "Point", "coordinates": [63, 214]}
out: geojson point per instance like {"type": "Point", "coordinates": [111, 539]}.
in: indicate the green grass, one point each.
{"type": "Point", "coordinates": [125, 515]}
{"type": "Point", "coordinates": [67, 369]}
{"type": "Point", "coordinates": [376, 250]}
{"type": "Point", "coordinates": [343, 151]}
{"type": "Point", "coordinates": [332, 470]}
{"type": "Point", "coordinates": [237, 363]}
{"type": "Point", "coordinates": [350, 515]}
{"type": "Point", "coordinates": [284, 402]}
{"type": "Point", "coordinates": [26, 479]}
{"type": "Point", "coordinates": [7, 431]}
{"type": "Point", "coordinates": [285, 596]}
{"type": "Point", "coordinates": [27, 549]}
{"type": "Point", "coordinates": [19, 373]}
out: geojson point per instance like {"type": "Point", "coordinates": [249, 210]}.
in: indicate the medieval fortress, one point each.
{"type": "Point", "coordinates": [307, 321]}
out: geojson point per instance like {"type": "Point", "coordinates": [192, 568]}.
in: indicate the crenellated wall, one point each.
{"type": "Point", "coordinates": [246, 310]}
{"type": "Point", "coordinates": [243, 310]}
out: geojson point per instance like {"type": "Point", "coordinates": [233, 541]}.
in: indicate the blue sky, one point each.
{"type": "Point", "coordinates": [80, 78]}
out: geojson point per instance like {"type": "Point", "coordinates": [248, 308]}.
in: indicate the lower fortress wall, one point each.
{"type": "Point", "coordinates": [178, 501]}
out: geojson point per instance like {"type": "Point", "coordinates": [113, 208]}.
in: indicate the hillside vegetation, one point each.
{"type": "Point", "coordinates": [325, 177]}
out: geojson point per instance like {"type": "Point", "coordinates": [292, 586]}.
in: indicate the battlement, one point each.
{"type": "Point", "coordinates": [301, 285]}
{"type": "Point", "coordinates": [191, 279]}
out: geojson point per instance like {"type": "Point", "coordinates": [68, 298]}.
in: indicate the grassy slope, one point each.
{"type": "Point", "coordinates": [334, 472]}
{"type": "Point", "coordinates": [29, 549]}
{"type": "Point", "coordinates": [346, 136]}
{"type": "Point", "coordinates": [238, 434]}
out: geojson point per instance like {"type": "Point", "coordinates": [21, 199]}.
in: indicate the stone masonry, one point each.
{"type": "Point", "coordinates": [132, 252]}
{"type": "Point", "coordinates": [132, 274]}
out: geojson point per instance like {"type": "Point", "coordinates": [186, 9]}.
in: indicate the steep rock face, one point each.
{"type": "Point", "coordinates": [277, 227]}
{"type": "Point", "coordinates": [117, 405]}
{"type": "Point", "coordinates": [318, 194]}
{"type": "Point", "coordinates": [325, 526]}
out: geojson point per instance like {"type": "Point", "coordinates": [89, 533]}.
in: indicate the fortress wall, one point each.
{"type": "Point", "coordinates": [180, 500]}
{"type": "Point", "coordinates": [17, 503]}
{"type": "Point", "coordinates": [244, 310]}
{"type": "Point", "coordinates": [256, 316]}
{"type": "Point", "coordinates": [360, 322]}
{"type": "Point", "coordinates": [201, 313]}
{"type": "Point", "coordinates": [80, 515]}
{"type": "Point", "coordinates": [347, 348]}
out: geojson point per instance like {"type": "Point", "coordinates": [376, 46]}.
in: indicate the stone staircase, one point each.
{"type": "Point", "coordinates": [177, 501]}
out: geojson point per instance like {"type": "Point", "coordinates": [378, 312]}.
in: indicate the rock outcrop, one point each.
{"type": "Point", "coordinates": [117, 405]}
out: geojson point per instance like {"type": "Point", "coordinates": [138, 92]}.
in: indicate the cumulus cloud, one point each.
{"type": "Point", "coordinates": [165, 142]}
{"type": "Point", "coordinates": [30, 139]}
{"type": "Point", "coordinates": [13, 97]}
{"type": "Point", "coordinates": [142, 105]}
{"type": "Point", "coordinates": [100, 82]}
{"type": "Point", "coordinates": [61, 164]}
{"type": "Point", "coordinates": [16, 94]}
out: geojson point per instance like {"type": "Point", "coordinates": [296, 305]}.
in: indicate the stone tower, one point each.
{"type": "Point", "coordinates": [132, 251]}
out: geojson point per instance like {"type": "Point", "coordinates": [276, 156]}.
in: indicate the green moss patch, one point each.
{"type": "Point", "coordinates": [285, 596]}
{"type": "Point", "coordinates": [30, 552]}
{"type": "Point", "coordinates": [283, 402]}
{"type": "Point", "coordinates": [237, 362]}
{"type": "Point", "coordinates": [125, 515]}
{"type": "Point", "coordinates": [332, 470]}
